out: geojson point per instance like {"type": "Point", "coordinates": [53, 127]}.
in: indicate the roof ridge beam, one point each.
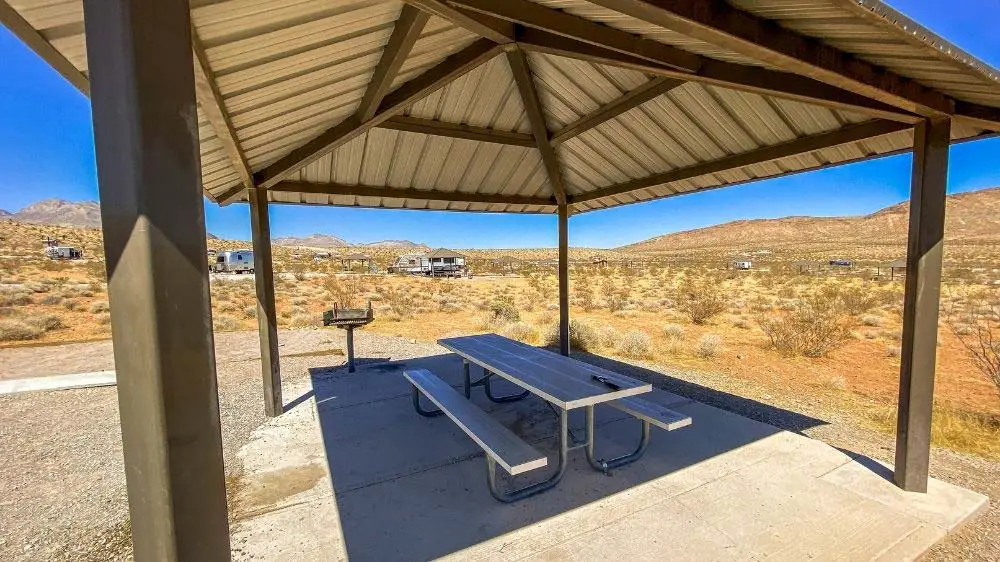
{"type": "Point", "coordinates": [536, 117]}
{"type": "Point", "coordinates": [12, 20]}
{"type": "Point", "coordinates": [458, 131]}
{"type": "Point", "coordinates": [394, 103]}
{"type": "Point", "coordinates": [409, 193]}
{"type": "Point", "coordinates": [210, 99]}
{"type": "Point", "coordinates": [498, 31]}
{"type": "Point", "coordinates": [562, 23]}
{"type": "Point", "coordinates": [802, 145]}
{"type": "Point", "coordinates": [576, 37]}
{"type": "Point", "coordinates": [630, 100]}
{"type": "Point", "coordinates": [407, 30]}
{"type": "Point", "coordinates": [722, 25]}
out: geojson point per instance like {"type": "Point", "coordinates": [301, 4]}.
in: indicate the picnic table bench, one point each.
{"type": "Point", "coordinates": [563, 382]}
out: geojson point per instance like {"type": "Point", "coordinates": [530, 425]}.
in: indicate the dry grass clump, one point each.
{"type": "Point", "coordinates": [98, 307]}
{"type": "Point", "coordinates": [636, 344]}
{"type": "Point", "coordinates": [972, 432]}
{"type": "Point", "coordinates": [582, 336]}
{"type": "Point", "coordinates": [225, 323]}
{"type": "Point", "coordinates": [813, 328]}
{"type": "Point", "coordinates": [701, 301]}
{"type": "Point", "coordinates": [709, 345]}
{"type": "Point", "coordinates": [521, 331]}
{"type": "Point", "coordinates": [608, 336]}
{"type": "Point", "coordinates": [503, 309]}
{"type": "Point", "coordinates": [18, 330]}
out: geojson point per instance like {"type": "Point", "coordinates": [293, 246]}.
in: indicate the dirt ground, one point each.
{"type": "Point", "coordinates": [63, 494]}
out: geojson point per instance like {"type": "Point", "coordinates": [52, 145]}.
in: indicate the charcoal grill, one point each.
{"type": "Point", "coordinates": [348, 319]}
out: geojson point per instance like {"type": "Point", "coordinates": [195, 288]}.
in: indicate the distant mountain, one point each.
{"type": "Point", "coordinates": [312, 241]}
{"type": "Point", "coordinates": [972, 216]}
{"type": "Point", "coordinates": [60, 212]}
{"type": "Point", "coordinates": [395, 244]}
{"type": "Point", "coordinates": [4, 214]}
{"type": "Point", "coordinates": [210, 236]}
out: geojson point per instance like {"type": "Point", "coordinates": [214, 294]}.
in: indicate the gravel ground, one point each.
{"type": "Point", "coordinates": [62, 486]}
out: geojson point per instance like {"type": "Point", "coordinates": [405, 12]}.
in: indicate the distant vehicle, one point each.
{"type": "Point", "coordinates": [63, 253]}
{"type": "Point", "coordinates": [841, 263]}
{"type": "Point", "coordinates": [236, 261]}
{"type": "Point", "coordinates": [743, 265]}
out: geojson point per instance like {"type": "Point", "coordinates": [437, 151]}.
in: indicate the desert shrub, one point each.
{"type": "Point", "coordinates": [674, 332]}
{"type": "Point", "coordinates": [99, 306]}
{"type": "Point", "coordinates": [225, 323]}
{"type": "Point", "coordinates": [582, 336]}
{"type": "Point", "coordinates": [345, 291]}
{"type": "Point", "coordinates": [635, 343]}
{"type": "Point", "coordinates": [15, 299]}
{"type": "Point", "coordinates": [608, 337]}
{"type": "Point", "coordinates": [521, 331]}
{"type": "Point", "coordinates": [894, 351]}
{"type": "Point", "coordinates": [871, 320]}
{"type": "Point", "coordinates": [709, 345]}
{"type": "Point", "coordinates": [856, 299]}
{"type": "Point", "coordinates": [103, 318]}
{"type": "Point", "coordinates": [701, 301]}
{"type": "Point", "coordinates": [813, 328]}
{"type": "Point", "coordinates": [979, 331]}
{"type": "Point", "coordinates": [52, 300]}
{"type": "Point", "coordinates": [17, 330]}
{"type": "Point", "coordinates": [741, 322]}
{"type": "Point", "coordinates": [503, 308]}
{"type": "Point", "coordinates": [70, 304]}
{"type": "Point", "coordinates": [302, 321]}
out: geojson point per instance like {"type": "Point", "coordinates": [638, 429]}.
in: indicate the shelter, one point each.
{"type": "Point", "coordinates": [347, 261]}
{"type": "Point", "coordinates": [513, 106]}
{"type": "Point", "coordinates": [805, 266]}
{"type": "Point", "coordinates": [892, 267]}
{"type": "Point", "coordinates": [443, 262]}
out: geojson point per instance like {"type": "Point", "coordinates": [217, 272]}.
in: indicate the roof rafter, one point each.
{"type": "Point", "coordinates": [212, 106]}
{"type": "Point", "coordinates": [528, 13]}
{"type": "Point", "coordinates": [498, 31]}
{"type": "Point", "coordinates": [577, 37]}
{"type": "Point", "coordinates": [458, 131]}
{"type": "Point", "coordinates": [408, 27]}
{"type": "Point", "coordinates": [408, 193]}
{"type": "Point", "coordinates": [848, 134]}
{"type": "Point", "coordinates": [722, 25]}
{"type": "Point", "coordinates": [536, 118]}
{"type": "Point", "coordinates": [410, 92]}
{"type": "Point", "coordinates": [633, 98]}
{"type": "Point", "coordinates": [13, 21]}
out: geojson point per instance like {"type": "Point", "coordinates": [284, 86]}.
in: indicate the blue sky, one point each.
{"type": "Point", "coordinates": [46, 150]}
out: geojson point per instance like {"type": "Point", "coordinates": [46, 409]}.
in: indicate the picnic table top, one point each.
{"type": "Point", "coordinates": [563, 381]}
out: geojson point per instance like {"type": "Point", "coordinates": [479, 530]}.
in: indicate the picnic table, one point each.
{"type": "Point", "coordinates": [563, 382]}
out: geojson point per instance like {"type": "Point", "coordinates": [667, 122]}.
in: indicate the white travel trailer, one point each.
{"type": "Point", "coordinates": [63, 253]}
{"type": "Point", "coordinates": [236, 261]}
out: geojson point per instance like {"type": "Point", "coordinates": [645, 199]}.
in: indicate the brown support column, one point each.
{"type": "Point", "coordinates": [267, 324]}
{"type": "Point", "coordinates": [146, 136]}
{"type": "Point", "coordinates": [920, 305]}
{"type": "Point", "coordinates": [564, 279]}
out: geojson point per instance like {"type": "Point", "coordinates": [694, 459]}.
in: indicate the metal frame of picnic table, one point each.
{"type": "Point", "coordinates": [565, 446]}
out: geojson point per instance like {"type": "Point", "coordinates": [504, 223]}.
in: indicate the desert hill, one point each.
{"type": "Point", "coordinates": [59, 212]}
{"type": "Point", "coordinates": [972, 217]}
{"type": "Point", "coordinates": [328, 241]}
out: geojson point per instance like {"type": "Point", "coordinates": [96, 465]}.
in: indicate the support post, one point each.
{"type": "Point", "coordinates": [564, 279]}
{"type": "Point", "coordinates": [267, 325]}
{"type": "Point", "coordinates": [146, 138]}
{"type": "Point", "coordinates": [920, 304]}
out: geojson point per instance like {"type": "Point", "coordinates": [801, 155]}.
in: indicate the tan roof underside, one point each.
{"type": "Point", "coordinates": [288, 71]}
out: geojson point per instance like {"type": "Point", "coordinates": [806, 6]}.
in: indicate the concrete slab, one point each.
{"type": "Point", "coordinates": [58, 382]}
{"type": "Point", "coordinates": [352, 471]}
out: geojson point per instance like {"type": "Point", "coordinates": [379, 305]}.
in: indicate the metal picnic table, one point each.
{"type": "Point", "coordinates": [566, 384]}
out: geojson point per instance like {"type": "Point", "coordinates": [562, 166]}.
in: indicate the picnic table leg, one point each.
{"type": "Point", "coordinates": [419, 409]}
{"type": "Point", "coordinates": [499, 399]}
{"type": "Point", "coordinates": [533, 489]}
{"type": "Point", "coordinates": [606, 465]}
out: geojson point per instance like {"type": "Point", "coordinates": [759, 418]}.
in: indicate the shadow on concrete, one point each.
{"type": "Point", "coordinates": [414, 488]}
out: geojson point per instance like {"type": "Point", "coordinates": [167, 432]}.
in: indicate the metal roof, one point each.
{"type": "Point", "coordinates": [442, 253]}
{"type": "Point", "coordinates": [378, 103]}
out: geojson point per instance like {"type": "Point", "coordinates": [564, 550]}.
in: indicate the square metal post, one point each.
{"type": "Point", "coordinates": [267, 324]}
{"type": "Point", "coordinates": [921, 301]}
{"type": "Point", "coordinates": [564, 279]}
{"type": "Point", "coordinates": [146, 137]}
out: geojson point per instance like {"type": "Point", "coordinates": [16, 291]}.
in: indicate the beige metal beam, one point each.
{"type": "Point", "coordinates": [536, 118]}
{"type": "Point", "coordinates": [408, 28]}
{"type": "Point", "coordinates": [210, 99]}
{"type": "Point", "coordinates": [920, 304]}
{"type": "Point", "coordinates": [498, 31]}
{"type": "Point", "coordinates": [267, 324]}
{"type": "Point", "coordinates": [458, 131]}
{"type": "Point", "coordinates": [724, 26]}
{"type": "Point", "coordinates": [444, 72]}
{"type": "Point", "coordinates": [848, 134]}
{"type": "Point", "coordinates": [632, 99]}
{"type": "Point", "coordinates": [576, 40]}
{"type": "Point", "coordinates": [409, 193]}
{"type": "Point", "coordinates": [23, 30]}
{"type": "Point", "coordinates": [561, 23]}
{"type": "Point", "coordinates": [153, 220]}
